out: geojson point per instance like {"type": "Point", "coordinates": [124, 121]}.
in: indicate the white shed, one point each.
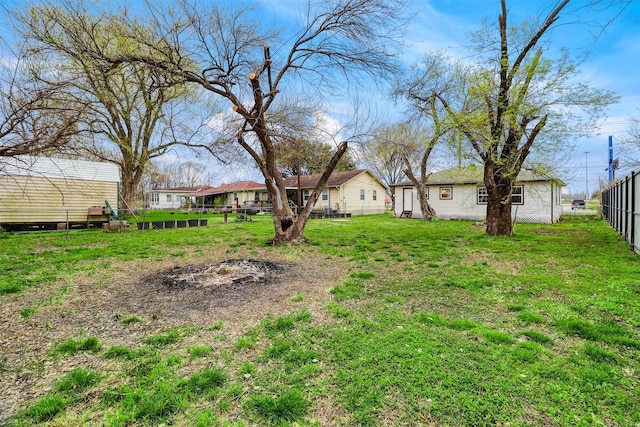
{"type": "Point", "coordinates": [46, 192]}
{"type": "Point", "coordinates": [459, 193]}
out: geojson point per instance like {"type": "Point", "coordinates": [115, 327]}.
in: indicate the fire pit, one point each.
{"type": "Point", "coordinates": [224, 274]}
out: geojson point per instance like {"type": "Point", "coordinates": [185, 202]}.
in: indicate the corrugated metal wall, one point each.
{"type": "Point", "coordinates": [620, 207]}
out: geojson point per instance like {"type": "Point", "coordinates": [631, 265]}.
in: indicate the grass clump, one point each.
{"type": "Point", "coordinates": [297, 298]}
{"type": "Point", "coordinates": [526, 316]}
{"type": "Point", "coordinates": [65, 393]}
{"type": "Point", "coordinates": [606, 331]}
{"type": "Point", "coordinates": [131, 320]}
{"type": "Point", "coordinates": [336, 310]}
{"type": "Point", "coordinates": [152, 394]}
{"type": "Point", "coordinates": [199, 351]}
{"type": "Point", "coordinates": [246, 342]}
{"type": "Point", "coordinates": [77, 380]}
{"type": "Point", "coordinates": [119, 352]}
{"type": "Point", "coordinates": [161, 340]}
{"type": "Point", "coordinates": [497, 337]}
{"type": "Point", "coordinates": [286, 408]}
{"type": "Point", "coordinates": [361, 275]}
{"type": "Point", "coordinates": [349, 289]}
{"type": "Point", "coordinates": [204, 381]}
{"type": "Point", "coordinates": [281, 324]}
{"type": "Point", "coordinates": [26, 313]}
{"type": "Point", "coordinates": [217, 326]}
{"type": "Point", "coordinates": [538, 337]}
{"type": "Point", "coordinates": [72, 346]}
{"type": "Point", "coordinates": [598, 354]}
{"type": "Point", "coordinates": [45, 409]}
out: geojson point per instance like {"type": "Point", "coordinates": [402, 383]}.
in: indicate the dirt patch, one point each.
{"type": "Point", "coordinates": [238, 292]}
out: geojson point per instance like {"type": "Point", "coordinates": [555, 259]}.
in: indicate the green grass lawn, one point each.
{"type": "Point", "coordinates": [434, 324]}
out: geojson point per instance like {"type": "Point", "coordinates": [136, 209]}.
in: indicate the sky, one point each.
{"type": "Point", "coordinates": [445, 25]}
{"type": "Point", "coordinates": [612, 64]}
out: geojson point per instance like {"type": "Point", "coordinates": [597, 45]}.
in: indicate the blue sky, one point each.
{"type": "Point", "coordinates": [439, 25]}
{"type": "Point", "coordinates": [613, 64]}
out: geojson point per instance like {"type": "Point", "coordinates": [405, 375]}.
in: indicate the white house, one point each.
{"type": "Point", "coordinates": [173, 198]}
{"type": "Point", "coordinates": [358, 192]}
{"type": "Point", "coordinates": [232, 195]}
{"type": "Point", "coordinates": [460, 193]}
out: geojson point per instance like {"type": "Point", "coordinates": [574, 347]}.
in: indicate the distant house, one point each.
{"type": "Point", "coordinates": [173, 198]}
{"type": "Point", "coordinates": [460, 193]}
{"type": "Point", "coordinates": [231, 195]}
{"type": "Point", "coordinates": [358, 192]}
{"type": "Point", "coordinates": [50, 193]}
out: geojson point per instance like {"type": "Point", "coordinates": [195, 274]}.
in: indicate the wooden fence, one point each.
{"type": "Point", "coordinates": [621, 208]}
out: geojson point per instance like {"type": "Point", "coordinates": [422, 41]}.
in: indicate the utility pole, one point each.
{"type": "Point", "coordinates": [586, 175]}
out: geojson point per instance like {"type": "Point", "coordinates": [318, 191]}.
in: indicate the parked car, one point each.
{"type": "Point", "coordinates": [578, 204]}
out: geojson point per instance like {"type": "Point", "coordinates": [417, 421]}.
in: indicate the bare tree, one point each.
{"type": "Point", "coordinates": [379, 154]}
{"type": "Point", "coordinates": [416, 143]}
{"type": "Point", "coordinates": [35, 118]}
{"type": "Point", "coordinates": [305, 158]}
{"type": "Point", "coordinates": [516, 97]}
{"type": "Point", "coordinates": [226, 53]}
{"type": "Point", "coordinates": [128, 113]}
{"type": "Point", "coordinates": [628, 157]}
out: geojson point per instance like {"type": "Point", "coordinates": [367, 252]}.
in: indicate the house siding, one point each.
{"type": "Point", "coordinates": [176, 202]}
{"type": "Point", "coordinates": [48, 167]}
{"type": "Point", "coordinates": [542, 203]}
{"type": "Point", "coordinates": [347, 196]}
{"type": "Point", "coordinates": [55, 190]}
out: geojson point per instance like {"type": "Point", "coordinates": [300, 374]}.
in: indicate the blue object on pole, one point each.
{"type": "Point", "coordinates": [610, 158]}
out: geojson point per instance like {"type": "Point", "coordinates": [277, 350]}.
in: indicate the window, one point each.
{"type": "Point", "coordinates": [517, 196]}
{"type": "Point", "coordinates": [155, 198]}
{"type": "Point", "coordinates": [256, 196]}
{"type": "Point", "coordinates": [375, 195]}
{"type": "Point", "coordinates": [446, 193]}
{"type": "Point", "coordinates": [361, 194]}
{"type": "Point", "coordinates": [483, 196]}
{"type": "Point", "coordinates": [305, 195]}
{"type": "Point", "coordinates": [168, 197]}
{"type": "Point", "coordinates": [325, 195]}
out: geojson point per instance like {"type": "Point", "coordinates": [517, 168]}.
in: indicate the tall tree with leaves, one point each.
{"type": "Point", "coordinates": [336, 42]}
{"type": "Point", "coordinates": [516, 97]}
{"type": "Point", "coordinates": [128, 110]}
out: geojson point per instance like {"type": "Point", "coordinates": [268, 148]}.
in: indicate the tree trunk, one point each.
{"type": "Point", "coordinates": [288, 228]}
{"type": "Point", "coordinates": [499, 189]}
{"type": "Point", "coordinates": [499, 221]}
{"type": "Point", "coordinates": [128, 193]}
{"type": "Point", "coordinates": [428, 213]}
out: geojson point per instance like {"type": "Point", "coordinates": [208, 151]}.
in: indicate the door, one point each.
{"type": "Point", "coordinates": [407, 199]}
